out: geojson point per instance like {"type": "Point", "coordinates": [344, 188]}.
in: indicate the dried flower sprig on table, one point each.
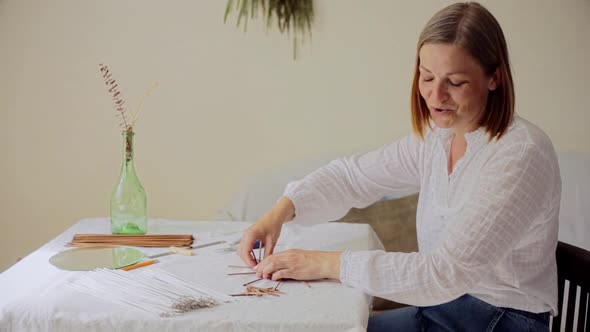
{"type": "Point", "coordinates": [188, 303]}
{"type": "Point", "coordinates": [113, 89]}
{"type": "Point", "coordinates": [127, 120]}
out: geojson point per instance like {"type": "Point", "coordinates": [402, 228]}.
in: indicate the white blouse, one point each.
{"type": "Point", "coordinates": [488, 229]}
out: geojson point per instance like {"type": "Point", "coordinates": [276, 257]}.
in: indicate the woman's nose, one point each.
{"type": "Point", "coordinates": [439, 94]}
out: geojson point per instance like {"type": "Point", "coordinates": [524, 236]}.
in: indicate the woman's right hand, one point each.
{"type": "Point", "coordinates": [267, 230]}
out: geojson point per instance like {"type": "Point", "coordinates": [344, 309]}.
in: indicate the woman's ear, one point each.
{"type": "Point", "coordinates": [494, 81]}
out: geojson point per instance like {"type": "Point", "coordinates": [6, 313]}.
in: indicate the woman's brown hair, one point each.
{"type": "Point", "coordinates": [472, 27]}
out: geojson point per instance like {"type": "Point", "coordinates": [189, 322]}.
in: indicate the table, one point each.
{"type": "Point", "coordinates": [34, 295]}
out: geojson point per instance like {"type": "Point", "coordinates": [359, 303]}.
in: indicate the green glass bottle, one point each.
{"type": "Point", "coordinates": [128, 201]}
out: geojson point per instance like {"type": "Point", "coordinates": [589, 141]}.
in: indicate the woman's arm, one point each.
{"type": "Point", "coordinates": [357, 181]}
{"type": "Point", "coordinates": [509, 197]}
{"type": "Point", "coordinates": [327, 194]}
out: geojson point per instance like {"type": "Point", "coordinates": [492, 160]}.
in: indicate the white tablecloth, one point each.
{"type": "Point", "coordinates": [34, 295]}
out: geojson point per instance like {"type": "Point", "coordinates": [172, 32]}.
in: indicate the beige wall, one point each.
{"type": "Point", "coordinates": [231, 104]}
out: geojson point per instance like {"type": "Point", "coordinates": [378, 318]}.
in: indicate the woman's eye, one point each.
{"type": "Point", "coordinates": [456, 83]}
{"type": "Point", "coordinates": [427, 79]}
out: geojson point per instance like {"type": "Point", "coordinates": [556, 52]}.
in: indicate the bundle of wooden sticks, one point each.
{"type": "Point", "coordinates": [157, 240]}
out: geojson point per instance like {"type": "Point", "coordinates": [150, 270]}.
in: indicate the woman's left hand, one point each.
{"type": "Point", "coordinates": [300, 265]}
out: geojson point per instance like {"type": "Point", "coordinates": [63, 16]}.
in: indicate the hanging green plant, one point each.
{"type": "Point", "coordinates": [292, 16]}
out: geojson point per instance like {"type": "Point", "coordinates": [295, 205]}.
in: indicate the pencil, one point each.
{"type": "Point", "coordinates": [140, 264]}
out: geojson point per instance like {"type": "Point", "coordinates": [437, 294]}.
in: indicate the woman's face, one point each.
{"type": "Point", "coordinates": [454, 86]}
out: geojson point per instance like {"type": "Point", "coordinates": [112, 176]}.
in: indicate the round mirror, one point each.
{"type": "Point", "coordinates": [86, 259]}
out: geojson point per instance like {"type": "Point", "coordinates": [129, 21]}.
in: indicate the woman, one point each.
{"type": "Point", "coordinates": [489, 197]}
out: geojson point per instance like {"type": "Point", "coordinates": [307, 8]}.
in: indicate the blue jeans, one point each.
{"type": "Point", "coordinates": [466, 313]}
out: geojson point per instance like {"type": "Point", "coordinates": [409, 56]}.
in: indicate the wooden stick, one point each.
{"type": "Point", "coordinates": [239, 273]}
{"type": "Point", "coordinates": [134, 235]}
{"type": "Point", "coordinates": [91, 245]}
{"type": "Point", "coordinates": [156, 240]}
{"type": "Point", "coordinates": [254, 255]}
{"type": "Point", "coordinates": [251, 282]}
{"type": "Point", "coordinates": [239, 266]}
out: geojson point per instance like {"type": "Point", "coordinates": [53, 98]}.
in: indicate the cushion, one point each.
{"type": "Point", "coordinates": [394, 221]}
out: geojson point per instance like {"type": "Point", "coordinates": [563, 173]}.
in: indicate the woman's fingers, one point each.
{"type": "Point", "coordinates": [277, 262]}
{"type": "Point", "coordinates": [300, 265]}
{"type": "Point", "coordinates": [269, 246]}
{"type": "Point", "coordinates": [269, 267]}
{"type": "Point", "coordinates": [245, 249]}
{"type": "Point", "coordinates": [283, 274]}
{"type": "Point", "coordinates": [267, 231]}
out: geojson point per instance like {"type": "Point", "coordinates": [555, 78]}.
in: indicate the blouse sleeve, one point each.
{"type": "Point", "coordinates": [511, 189]}
{"type": "Point", "coordinates": [357, 181]}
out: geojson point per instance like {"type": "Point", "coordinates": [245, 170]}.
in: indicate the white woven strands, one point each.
{"type": "Point", "coordinates": [152, 290]}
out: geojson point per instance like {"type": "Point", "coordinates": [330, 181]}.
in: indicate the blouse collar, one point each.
{"type": "Point", "coordinates": [474, 138]}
